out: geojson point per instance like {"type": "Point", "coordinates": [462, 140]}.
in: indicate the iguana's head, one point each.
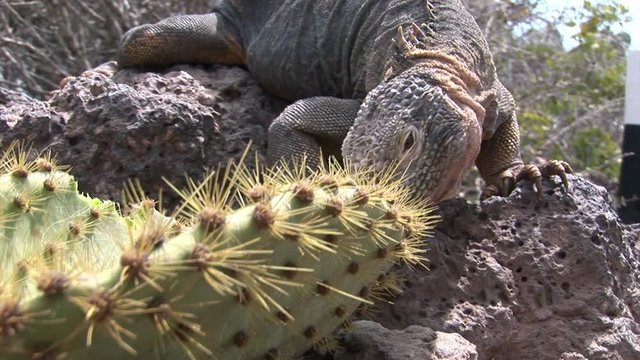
{"type": "Point", "coordinates": [411, 119]}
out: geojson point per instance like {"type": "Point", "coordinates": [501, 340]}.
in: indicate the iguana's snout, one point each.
{"type": "Point", "coordinates": [410, 120]}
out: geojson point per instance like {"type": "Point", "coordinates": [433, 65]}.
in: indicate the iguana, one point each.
{"type": "Point", "coordinates": [410, 81]}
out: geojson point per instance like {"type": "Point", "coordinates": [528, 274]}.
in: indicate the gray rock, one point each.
{"type": "Point", "coordinates": [572, 356]}
{"type": "Point", "coordinates": [145, 125]}
{"type": "Point", "coordinates": [369, 340]}
{"type": "Point", "coordinates": [528, 280]}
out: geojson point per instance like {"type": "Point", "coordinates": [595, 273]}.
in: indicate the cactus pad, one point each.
{"type": "Point", "coordinates": [253, 265]}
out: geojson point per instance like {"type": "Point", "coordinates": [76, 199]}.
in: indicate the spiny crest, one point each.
{"type": "Point", "coordinates": [408, 41]}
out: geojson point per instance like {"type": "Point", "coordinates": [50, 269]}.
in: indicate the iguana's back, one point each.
{"type": "Point", "coordinates": [299, 48]}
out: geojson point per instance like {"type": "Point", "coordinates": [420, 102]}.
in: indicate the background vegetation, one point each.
{"type": "Point", "coordinates": [570, 101]}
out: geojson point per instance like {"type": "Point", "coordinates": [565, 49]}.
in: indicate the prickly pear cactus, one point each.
{"type": "Point", "coordinates": [252, 266]}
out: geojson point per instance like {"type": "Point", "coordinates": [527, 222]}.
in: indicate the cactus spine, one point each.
{"type": "Point", "coordinates": [245, 269]}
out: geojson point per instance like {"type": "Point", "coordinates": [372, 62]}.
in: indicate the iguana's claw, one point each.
{"type": "Point", "coordinates": [508, 183]}
{"type": "Point", "coordinates": [557, 167]}
{"type": "Point", "coordinates": [510, 177]}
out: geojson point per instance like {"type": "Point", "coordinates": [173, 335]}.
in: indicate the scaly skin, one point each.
{"type": "Point", "coordinates": [376, 82]}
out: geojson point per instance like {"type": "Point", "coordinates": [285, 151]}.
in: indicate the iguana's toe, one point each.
{"type": "Point", "coordinates": [557, 167]}
{"type": "Point", "coordinates": [504, 184]}
{"type": "Point", "coordinates": [508, 179]}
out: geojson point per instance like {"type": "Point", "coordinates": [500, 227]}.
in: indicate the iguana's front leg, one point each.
{"type": "Point", "coordinates": [501, 166]}
{"type": "Point", "coordinates": [311, 127]}
{"type": "Point", "coordinates": [187, 39]}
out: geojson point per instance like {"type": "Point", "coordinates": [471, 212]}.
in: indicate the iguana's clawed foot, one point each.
{"type": "Point", "coordinates": [510, 177]}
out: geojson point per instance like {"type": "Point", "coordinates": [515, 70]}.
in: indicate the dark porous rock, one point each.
{"type": "Point", "coordinates": [28, 120]}
{"type": "Point", "coordinates": [522, 279]}
{"type": "Point", "coordinates": [143, 124]}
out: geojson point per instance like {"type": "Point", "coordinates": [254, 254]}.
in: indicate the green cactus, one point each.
{"type": "Point", "coordinates": [245, 269]}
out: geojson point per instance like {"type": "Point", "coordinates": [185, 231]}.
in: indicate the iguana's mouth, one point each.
{"type": "Point", "coordinates": [447, 187]}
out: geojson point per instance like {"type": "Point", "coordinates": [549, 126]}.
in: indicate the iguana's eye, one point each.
{"type": "Point", "coordinates": [409, 138]}
{"type": "Point", "coordinates": [410, 142]}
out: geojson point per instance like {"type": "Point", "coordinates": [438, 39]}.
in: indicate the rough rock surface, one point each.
{"type": "Point", "coordinates": [516, 278]}
{"type": "Point", "coordinates": [141, 124]}
{"type": "Point", "coordinates": [527, 280]}
{"type": "Point", "coordinates": [368, 340]}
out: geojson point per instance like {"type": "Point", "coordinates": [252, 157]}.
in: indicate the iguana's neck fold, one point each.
{"type": "Point", "coordinates": [457, 82]}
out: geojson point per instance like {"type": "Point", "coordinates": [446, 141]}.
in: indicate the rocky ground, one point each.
{"type": "Point", "coordinates": [511, 278]}
{"type": "Point", "coordinates": [526, 280]}
{"type": "Point", "coordinates": [143, 125]}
